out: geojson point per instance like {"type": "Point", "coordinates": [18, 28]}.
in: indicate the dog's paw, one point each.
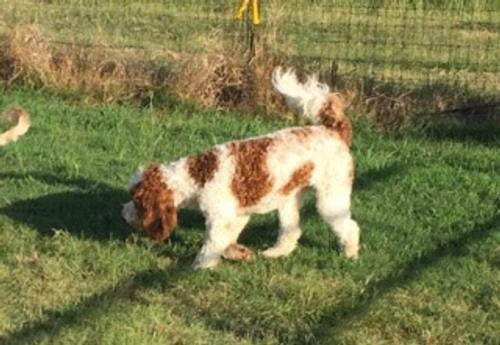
{"type": "Point", "coordinates": [238, 252]}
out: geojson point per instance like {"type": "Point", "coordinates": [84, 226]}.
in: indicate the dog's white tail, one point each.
{"type": "Point", "coordinates": [307, 98]}
{"type": "Point", "coordinates": [314, 101]}
{"type": "Point", "coordinates": [23, 124]}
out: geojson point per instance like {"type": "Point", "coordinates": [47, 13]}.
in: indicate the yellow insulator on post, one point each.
{"type": "Point", "coordinates": [255, 12]}
{"type": "Point", "coordinates": [244, 7]}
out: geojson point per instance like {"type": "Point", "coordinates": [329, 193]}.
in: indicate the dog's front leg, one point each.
{"type": "Point", "coordinates": [220, 234]}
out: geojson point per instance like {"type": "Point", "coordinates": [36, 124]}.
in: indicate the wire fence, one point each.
{"type": "Point", "coordinates": [426, 44]}
{"type": "Point", "coordinates": [402, 43]}
{"type": "Point", "coordinates": [421, 43]}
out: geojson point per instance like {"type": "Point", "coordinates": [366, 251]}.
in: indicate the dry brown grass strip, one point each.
{"type": "Point", "coordinates": [98, 71]}
{"type": "Point", "coordinates": [230, 76]}
{"type": "Point", "coordinates": [223, 75]}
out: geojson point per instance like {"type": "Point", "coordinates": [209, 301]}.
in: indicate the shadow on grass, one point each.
{"type": "Point", "coordinates": [485, 133]}
{"type": "Point", "coordinates": [260, 233]}
{"type": "Point", "coordinates": [190, 218]}
{"type": "Point", "coordinates": [93, 212]}
{"type": "Point", "coordinates": [367, 179]}
{"type": "Point", "coordinates": [54, 321]}
{"type": "Point", "coordinates": [329, 326]}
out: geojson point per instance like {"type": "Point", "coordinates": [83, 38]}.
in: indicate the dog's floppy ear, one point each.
{"type": "Point", "coordinates": [155, 204]}
{"type": "Point", "coordinates": [332, 116]}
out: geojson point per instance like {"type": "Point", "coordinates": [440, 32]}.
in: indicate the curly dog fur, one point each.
{"type": "Point", "coordinates": [232, 181]}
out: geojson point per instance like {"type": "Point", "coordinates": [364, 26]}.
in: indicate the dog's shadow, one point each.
{"type": "Point", "coordinates": [91, 211]}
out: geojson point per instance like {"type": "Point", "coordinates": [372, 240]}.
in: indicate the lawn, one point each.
{"type": "Point", "coordinates": [427, 198]}
{"type": "Point", "coordinates": [72, 272]}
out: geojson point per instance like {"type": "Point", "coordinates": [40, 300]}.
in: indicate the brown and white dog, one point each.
{"type": "Point", "coordinates": [23, 123]}
{"type": "Point", "coordinates": [232, 181]}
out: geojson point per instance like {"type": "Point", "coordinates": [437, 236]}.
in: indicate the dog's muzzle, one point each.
{"type": "Point", "coordinates": [129, 214]}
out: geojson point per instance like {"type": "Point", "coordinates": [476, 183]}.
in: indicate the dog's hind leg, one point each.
{"type": "Point", "coordinates": [334, 206]}
{"type": "Point", "coordinates": [290, 231]}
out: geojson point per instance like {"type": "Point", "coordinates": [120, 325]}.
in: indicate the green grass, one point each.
{"type": "Point", "coordinates": [416, 42]}
{"type": "Point", "coordinates": [72, 272]}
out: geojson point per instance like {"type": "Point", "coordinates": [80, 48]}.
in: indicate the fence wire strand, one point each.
{"type": "Point", "coordinates": [413, 44]}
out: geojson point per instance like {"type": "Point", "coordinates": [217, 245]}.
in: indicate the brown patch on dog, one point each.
{"type": "Point", "coordinates": [155, 204]}
{"type": "Point", "coordinates": [202, 167]}
{"type": "Point", "coordinates": [251, 180]}
{"type": "Point", "coordinates": [333, 117]}
{"type": "Point", "coordinates": [238, 252]}
{"type": "Point", "coordinates": [302, 133]}
{"type": "Point", "coordinates": [300, 178]}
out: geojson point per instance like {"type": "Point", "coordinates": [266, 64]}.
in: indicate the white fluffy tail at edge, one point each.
{"type": "Point", "coordinates": [305, 98]}
{"type": "Point", "coordinates": [23, 124]}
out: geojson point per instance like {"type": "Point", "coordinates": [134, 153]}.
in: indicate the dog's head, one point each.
{"type": "Point", "coordinates": [152, 208]}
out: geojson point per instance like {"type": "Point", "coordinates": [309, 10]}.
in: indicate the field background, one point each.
{"type": "Point", "coordinates": [414, 41]}
{"type": "Point", "coordinates": [427, 197]}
